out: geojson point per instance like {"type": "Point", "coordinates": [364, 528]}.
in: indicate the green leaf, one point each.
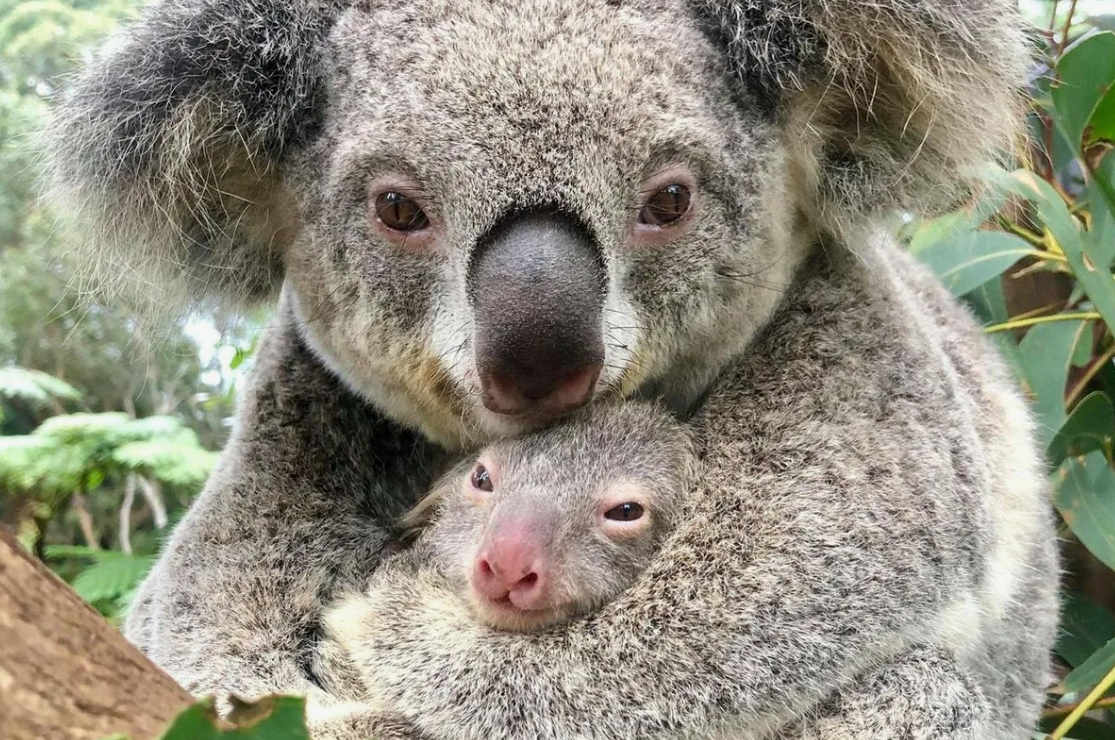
{"type": "Point", "coordinates": [930, 232]}
{"type": "Point", "coordinates": [967, 260]}
{"type": "Point", "coordinates": [178, 460]}
{"type": "Point", "coordinates": [271, 718]}
{"type": "Point", "coordinates": [1085, 728]}
{"type": "Point", "coordinates": [79, 551]}
{"type": "Point", "coordinates": [1085, 348]}
{"type": "Point", "coordinates": [1046, 354]}
{"type": "Point", "coordinates": [1090, 427]}
{"type": "Point", "coordinates": [34, 386]}
{"type": "Point", "coordinates": [112, 577]}
{"type": "Point", "coordinates": [1101, 202]}
{"type": "Point", "coordinates": [988, 302]}
{"type": "Point", "coordinates": [1085, 628]}
{"type": "Point", "coordinates": [1087, 675]}
{"type": "Point", "coordinates": [1094, 277]}
{"type": "Point", "coordinates": [1084, 93]}
{"type": "Point", "coordinates": [1085, 497]}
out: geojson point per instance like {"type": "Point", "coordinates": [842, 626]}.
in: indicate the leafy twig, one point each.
{"type": "Point", "coordinates": [1085, 706]}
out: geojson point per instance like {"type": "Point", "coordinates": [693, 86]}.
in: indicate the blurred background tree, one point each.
{"type": "Point", "coordinates": [107, 429]}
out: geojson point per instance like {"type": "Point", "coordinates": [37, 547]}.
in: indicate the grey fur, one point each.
{"type": "Point", "coordinates": [850, 512]}
{"type": "Point", "coordinates": [559, 480]}
{"type": "Point", "coordinates": [868, 463]}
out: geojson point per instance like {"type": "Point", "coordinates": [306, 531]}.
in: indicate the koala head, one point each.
{"type": "Point", "coordinates": [542, 528]}
{"type": "Point", "coordinates": [485, 215]}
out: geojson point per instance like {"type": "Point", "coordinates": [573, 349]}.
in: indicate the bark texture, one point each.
{"type": "Point", "coordinates": [66, 673]}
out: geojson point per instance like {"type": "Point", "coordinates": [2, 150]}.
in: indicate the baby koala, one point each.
{"type": "Point", "coordinates": [537, 530]}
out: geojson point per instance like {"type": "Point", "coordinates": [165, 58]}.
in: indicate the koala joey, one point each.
{"type": "Point", "coordinates": [546, 527]}
{"type": "Point", "coordinates": [479, 217]}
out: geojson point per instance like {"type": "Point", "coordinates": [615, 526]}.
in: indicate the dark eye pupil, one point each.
{"type": "Point", "coordinates": [399, 212]}
{"type": "Point", "coordinates": [481, 479]}
{"type": "Point", "coordinates": [666, 206]}
{"type": "Point", "coordinates": [627, 512]}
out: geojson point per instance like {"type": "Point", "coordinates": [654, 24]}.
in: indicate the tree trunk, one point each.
{"type": "Point", "coordinates": [85, 520]}
{"type": "Point", "coordinates": [126, 514]}
{"type": "Point", "coordinates": [66, 673]}
{"type": "Point", "coordinates": [153, 492]}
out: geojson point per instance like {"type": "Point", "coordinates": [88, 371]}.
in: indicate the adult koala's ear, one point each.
{"type": "Point", "coordinates": [167, 153]}
{"type": "Point", "coordinates": [884, 102]}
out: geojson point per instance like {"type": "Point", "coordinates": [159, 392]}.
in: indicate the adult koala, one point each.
{"type": "Point", "coordinates": [486, 214]}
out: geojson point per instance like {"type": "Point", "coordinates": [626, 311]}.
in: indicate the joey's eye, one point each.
{"type": "Point", "coordinates": [400, 212]}
{"type": "Point", "coordinates": [481, 479]}
{"type": "Point", "coordinates": [627, 512]}
{"type": "Point", "coordinates": [667, 206]}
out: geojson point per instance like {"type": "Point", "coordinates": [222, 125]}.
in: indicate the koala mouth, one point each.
{"type": "Point", "coordinates": [503, 615]}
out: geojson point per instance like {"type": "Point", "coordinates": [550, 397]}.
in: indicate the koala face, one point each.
{"type": "Point", "coordinates": [540, 529]}
{"type": "Point", "coordinates": [513, 209]}
{"type": "Point", "coordinates": [487, 214]}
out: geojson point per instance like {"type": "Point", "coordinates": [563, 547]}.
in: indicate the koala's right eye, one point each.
{"type": "Point", "coordinates": [399, 212]}
{"type": "Point", "coordinates": [482, 479]}
{"type": "Point", "coordinates": [666, 206]}
{"type": "Point", "coordinates": [625, 512]}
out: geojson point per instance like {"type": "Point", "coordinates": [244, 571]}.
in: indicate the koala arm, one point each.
{"type": "Point", "coordinates": [923, 694]}
{"type": "Point", "coordinates": [841, 512]}
{"type": "Point", "coordinates": [295, 511]}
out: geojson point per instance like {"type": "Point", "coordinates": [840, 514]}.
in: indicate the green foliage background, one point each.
{"type": "Point", "coordinates": [107, 432]}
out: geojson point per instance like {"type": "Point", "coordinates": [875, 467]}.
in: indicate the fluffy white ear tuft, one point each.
{"type": "Point", "coordinates": [883, 103]}
{"type": "Point", "coordinates": [165, 157]}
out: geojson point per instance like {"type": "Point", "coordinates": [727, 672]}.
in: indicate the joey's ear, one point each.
{"type": "Point", "coordinates": [167, 154]}
{"type": "Point", "coordinates": [884, 102]}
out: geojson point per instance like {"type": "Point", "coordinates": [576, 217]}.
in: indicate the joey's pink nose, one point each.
{"type": "Point", "coordinates": [513, 570]}
{"type": "Point", "coordinates": [556, 392]}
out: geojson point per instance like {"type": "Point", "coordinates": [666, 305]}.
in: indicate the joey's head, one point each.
{"type": "Point", "coordinates": [538, 530]}
{"type": "Point", "coordinates": [488, 214]}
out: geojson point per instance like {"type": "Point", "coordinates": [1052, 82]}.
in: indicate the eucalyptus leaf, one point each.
{"type": "Point", "coordinates": [1102, 204]}
{"type": "Point", "coordinates": [967, 260]}
{"type": "Point", "coordinates": [989, 302]}
{"type": "Point", "coordinates": [1082, 679]}
{"type": "Point", "coordinates": [1046, 355]}
{"type": "Point", "coordinates": [1087, 267]}
{"type": "Point", "coordinates": [1085, 728]}
{"type": "Point", "coordinates": [1090, 427]}
{"type": "Point", "coordinates": [270, 718]}
{"type": "Point", "coordinates": [1084, 93]}
{"type": "Point", "coordinates": [1085, 628]}
{"type": "Point", "coordinates": [1085, 497]}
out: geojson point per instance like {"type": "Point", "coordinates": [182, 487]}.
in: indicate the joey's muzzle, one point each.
{"type": "Point", "coordinates": [537, 284]}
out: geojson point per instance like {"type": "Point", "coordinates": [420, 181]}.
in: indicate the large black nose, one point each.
{"type": "Point", "coordinates": [537, 286]}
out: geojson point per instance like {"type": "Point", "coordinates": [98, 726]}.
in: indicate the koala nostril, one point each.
{"type": "Point", "coordinates": [487, 581]}
{"type": "Point", "coordinates": [576, 388]}
{"type": "Point", "coordinates": [553, 392]}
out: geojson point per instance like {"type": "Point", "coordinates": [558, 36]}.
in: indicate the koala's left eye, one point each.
{"type": "Point", "coordinates": [482, 479]}
{"type": "Point", "coordinates": [667, 206]}
{"type": "Point", "coordinates": [400, 212]}
{"type": "Point", "coordinates": [626, 512]}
